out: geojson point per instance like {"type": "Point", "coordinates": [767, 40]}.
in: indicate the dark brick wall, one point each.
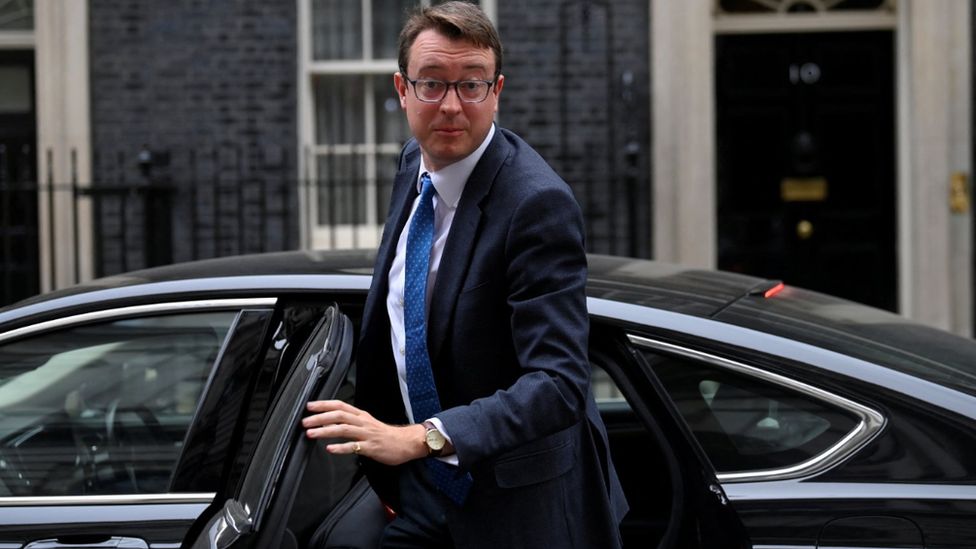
{"type": "Point", "coordinates": [209, 87]}
{"type": "Point", "coordinates": [578, 89]}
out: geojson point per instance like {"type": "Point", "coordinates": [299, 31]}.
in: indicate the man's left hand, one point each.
{"type": "Point", "coordinates": [365, 435]}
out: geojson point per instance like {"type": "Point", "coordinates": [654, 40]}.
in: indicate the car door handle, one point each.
{"type": "Point", "coordinates": [89, 542]}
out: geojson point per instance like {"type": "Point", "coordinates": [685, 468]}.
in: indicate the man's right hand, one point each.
{"type": "Point", "coordinates": [364, 434]}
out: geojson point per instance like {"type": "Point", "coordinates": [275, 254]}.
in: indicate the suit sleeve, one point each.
{"type": "Point", "coordinates": [546, 277]}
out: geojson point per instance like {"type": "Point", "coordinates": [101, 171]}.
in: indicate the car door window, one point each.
{"type": "Point", "coordinates": [103, 408]}
{"type": "Point", "coordinates": [748, 424]}
{"type": "Point", "coordinates": [287, 490]}
{"type": "Point", "coordinates": [605, 390]}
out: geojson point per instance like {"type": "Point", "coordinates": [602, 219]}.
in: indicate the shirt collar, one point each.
{"type": "Point", "coordinates": [449, 181]}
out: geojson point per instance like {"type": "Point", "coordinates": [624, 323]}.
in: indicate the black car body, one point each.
{"type": "Point", "coordinates": [161, 408]}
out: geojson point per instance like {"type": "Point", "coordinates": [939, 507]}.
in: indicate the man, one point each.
{"type": "Point", "coordinates": [473, 410]}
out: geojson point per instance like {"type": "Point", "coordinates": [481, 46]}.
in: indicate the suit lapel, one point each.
{"type": "Point", "coordinates": [461, 242]}
{"type": "Point", "coordinates": [404, 191]}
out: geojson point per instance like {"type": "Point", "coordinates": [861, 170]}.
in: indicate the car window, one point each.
{"type": "Point", "coordinates": [604, 389]}
{"type": "Point", "coordinates": [103, 408]}
{"type": "Point", "coordinates": [748, 424]}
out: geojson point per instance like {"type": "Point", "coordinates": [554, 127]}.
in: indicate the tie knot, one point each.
{"type": "Point", "coordinates": [426, 186]}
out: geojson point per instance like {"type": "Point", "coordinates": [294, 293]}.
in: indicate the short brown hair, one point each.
{"type": "Point", "coordinates": [455, 20]}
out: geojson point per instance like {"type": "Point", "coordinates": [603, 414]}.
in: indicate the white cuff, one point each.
{"type": "Point", "coordinates": [451, 459]}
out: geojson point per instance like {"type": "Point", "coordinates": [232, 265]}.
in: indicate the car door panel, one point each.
{"type": "Point", "coordinates": [873, 531]}
{"type": "Point", "coordinates": [89, 542]}
{"type": "Point", "coordinates": [158, 524]}
{"type": "Point", "coordinates": [785, 511]}
{"type": "Point", "coordinates": [255, 513]}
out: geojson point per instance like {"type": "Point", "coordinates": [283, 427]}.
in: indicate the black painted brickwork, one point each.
{"type": "Point", "coordinates": [578, 89]}
{"type": "Point", "coordinates": [210, 84]}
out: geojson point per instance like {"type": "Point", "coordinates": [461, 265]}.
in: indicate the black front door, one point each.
{"type": "Point", "coordinates": [806, 141]}
{"type": "Point", "coordinates": [19, 274]}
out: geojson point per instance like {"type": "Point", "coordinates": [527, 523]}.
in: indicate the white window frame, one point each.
{"type": "Point", "coordinates": [60, 44]}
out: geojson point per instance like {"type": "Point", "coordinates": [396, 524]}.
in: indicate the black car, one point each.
{"type": "Point", "coordinates": [161, 409]}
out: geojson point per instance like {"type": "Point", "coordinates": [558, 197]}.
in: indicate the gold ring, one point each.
{"type": "Point", "coordinates": [357, 449]}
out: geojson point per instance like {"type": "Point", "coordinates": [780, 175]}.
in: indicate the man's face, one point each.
{"type": "Point", "coordinates": [450, 130]}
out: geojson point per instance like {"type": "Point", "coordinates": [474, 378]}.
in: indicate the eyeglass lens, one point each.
{"type": "Point", "coordinates": [468, 90]}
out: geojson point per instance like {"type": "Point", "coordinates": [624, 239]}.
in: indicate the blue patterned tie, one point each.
{"type": "Point", "coordinates": [420, 379]}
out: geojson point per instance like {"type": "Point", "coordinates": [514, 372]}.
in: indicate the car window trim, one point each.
{"type": "Point", "coordinates": [107, 499]}
{"type": "Point", "coordinates": [319, 363]}
{"type": "Point", "coordinates": [137, 310]}
{"type": "Point", "coordinates": [244, 510]}
{"type": "Point", "coordinates": [870, 421]}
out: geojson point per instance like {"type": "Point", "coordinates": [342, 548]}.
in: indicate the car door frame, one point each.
{"type": "Point", "coordinates": [701, 514]}
{"type": "Point", "coordinates": [254, 512]}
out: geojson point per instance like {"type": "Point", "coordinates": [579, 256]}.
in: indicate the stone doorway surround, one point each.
{"type": "Point", "coordinates": [59, 39]}
{"type": "Point", "coordinates": [934, 141]}
{"type": "Point", "coordinates": [63, 139]}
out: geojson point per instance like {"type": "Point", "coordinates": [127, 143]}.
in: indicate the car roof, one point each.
{"type": "Point", "coordinates": [697, 292]}
{"type": "Point", "coordinates": [795, 314]}
{"type": "Point", "coordinates": [637, 281]}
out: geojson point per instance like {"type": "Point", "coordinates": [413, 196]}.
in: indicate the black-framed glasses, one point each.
{"type": "Point", "coordinates": [429, 90]}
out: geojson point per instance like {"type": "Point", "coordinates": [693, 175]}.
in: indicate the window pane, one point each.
{"type": "Point", "coordinates": [746, 424]}
{"type": "Point", "coordinates": [337, 28]}
{"type": "Point", "coordinates": [388, 18]}
{"type": "Point", "coordinates": [341, 190]}
{"type": "Point", "coordinates": [339, 109]}
{"type": "Point", "coordinates": [15, 90]}
{"type": "Point", "coordinates": [17, 15]}
{"type": "Point", "coordinates": [754, 6]}
{"type": "Point", "coordinates": [103, 409]}
{"type": "Point", "coordinates": [386, 168]}
{"type": "Point", "coordinates": [391, 123]}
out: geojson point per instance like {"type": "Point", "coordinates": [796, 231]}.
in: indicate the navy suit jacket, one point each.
{"type": "Point", "coordinates": [507, 337]}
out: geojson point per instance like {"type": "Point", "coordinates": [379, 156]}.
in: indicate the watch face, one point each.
{"type": "Point", "coordinates": [435, 440]}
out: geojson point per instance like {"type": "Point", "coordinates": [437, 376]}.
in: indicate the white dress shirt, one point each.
{"type": "Point", "coordinates": [448, 183]}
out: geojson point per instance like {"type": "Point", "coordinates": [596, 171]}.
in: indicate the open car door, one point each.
{"type": "Point", "coordinates": [259, 511]}
{"type": "Point", "coordinates": [676, 501]}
